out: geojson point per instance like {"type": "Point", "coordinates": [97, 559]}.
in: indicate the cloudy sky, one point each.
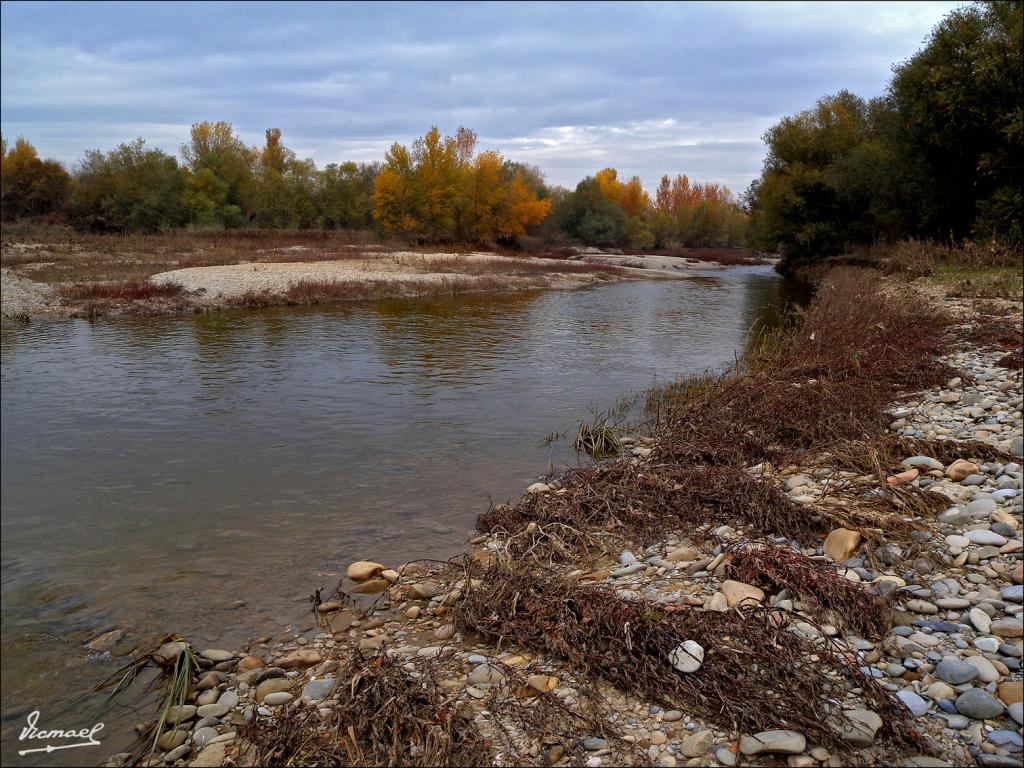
{"type": "Point", "coordinates": [648, 88]}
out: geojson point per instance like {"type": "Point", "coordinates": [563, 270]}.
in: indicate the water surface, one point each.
{"type": "Point", "coordinates": [155, 471]}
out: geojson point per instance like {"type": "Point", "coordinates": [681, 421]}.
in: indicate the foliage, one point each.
{"type": "Point", "coordinates": [444, 190]}
{"type": "Point", "coordinates": [938, 157]}
{"type": "Point", "coordinates": [30, 186]}
{"type": "Point", "coordinates": [132, 188]}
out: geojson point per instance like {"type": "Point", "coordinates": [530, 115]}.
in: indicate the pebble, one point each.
{"type": "Point", "coordinates": [782, 742]}
{"type": "Point", "coordinates": [687, 657]}
{"type": "Point", "coordinates": [955, 672]}
{"type": "Point", "coordinates": [913, 702]}
{"type": "Point", "coordinates": [978, 704]}
{"type": "Point", "coordinates": [276, 699]}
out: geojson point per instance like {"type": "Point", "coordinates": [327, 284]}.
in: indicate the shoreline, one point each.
{"type": "Point", "coordinates": [423, 618]}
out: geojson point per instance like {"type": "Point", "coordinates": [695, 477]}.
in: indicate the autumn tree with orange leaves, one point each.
{"type": "Point", "coordinates": [444, 190]}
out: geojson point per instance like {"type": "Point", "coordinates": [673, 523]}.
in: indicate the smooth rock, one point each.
{"type": "Point", "coordinates": [422, 591]}
{"type": "Point", "coordinates": [203, 736]}
{"type": "Point", "coordinates": [925, 462]}
{"type": "Point", "coordinates": [370, 587]}
{"type": "Point", "coordinates": [913, 702]}
{"type": "Point", "coordinates": [981, 620]}
{"type": "Point", "coordinates": [1009, 627]}
{"type": "Point", "coordinates": [273, 685]}
{"type": "Point", "coordinates": [276, 699]}
{"type": "Point", "coordinates": [362, 570]}
{"type": "Point", "coordinates": [955, 672]}
{"type": "Point", "coordinates": [315, 690]}
{"type": "Point", "coordinates": [299, 659]}
{"type": "Point", "coordinates": [738, 593]}
{"type": "Point", "coordinates": [978, 704]}
{"type": "Point", "coordinates": [981, 536]}
{"type": "Point", "coordinates": [217, 655]}
{"type": "Point", "coordinates": [986, 672]}
{"type": "Point", "coordinates": [1010, 691]}
{"type": "Point", "coordinates": [485, 673]}
{"type": "Point", "coordinates": [212, 756]}
{"type": "Point", "coordinates": [698, 744]}
{"type": "Point", "coordinates": [960, 470]}
{"type": "Point", "coordinates": [841, 544]}
{"type": "Point", "coordinates": [773, 742]}
{"type": "Point", "coordinates": [172, 739]}
{"type": "Point", "coordinates": [687, 657]}
{"type": "Point", "coordinates": [858, 727]}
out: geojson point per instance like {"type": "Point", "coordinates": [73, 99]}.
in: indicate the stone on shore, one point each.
{"type": "Point", "coordinates": [841, 544]}
{"type": "Point", "coordinates": [363, 570]}
{"type": "Point", "coordinates": [688, 657]}
{"type": "Point", "coordinates": [779, 742]}
{"type": "Point", "coordinates": [738, 593]}
{"type": "Point", "coordinates": [961, 470]}
{"type": "Point", "coordinates": [370, 587]}
{"type": "Point", "coordinates": [273, 685]}
{"type": "Point", "coordinates": [212, 756]}
{"type": "Point", "coordinates": [978, 704]}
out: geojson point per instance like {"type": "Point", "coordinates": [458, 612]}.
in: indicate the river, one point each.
{"type": "Point", "coordinates": [156, 471]}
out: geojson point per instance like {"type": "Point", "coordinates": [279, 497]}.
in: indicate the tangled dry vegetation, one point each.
{"type": "Point", "coordinates": [631, 644]}
{"type": "Point", "coordinates": [386, 715]}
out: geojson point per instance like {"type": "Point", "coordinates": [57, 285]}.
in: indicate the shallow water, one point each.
{"type": "Point", "coordinates": [156, 470]}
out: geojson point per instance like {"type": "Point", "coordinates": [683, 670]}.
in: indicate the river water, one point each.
{"type": "Point", "coordinates": [155, 471]}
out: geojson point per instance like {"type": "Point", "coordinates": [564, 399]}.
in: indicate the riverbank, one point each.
{"type": "Point", "coordinates": [631, 613]}
{"type": "Point", "coordinates": [60, 273]}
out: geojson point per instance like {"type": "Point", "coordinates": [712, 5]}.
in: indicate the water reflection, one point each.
{"type": "Point", "coordinates": [156, 470]}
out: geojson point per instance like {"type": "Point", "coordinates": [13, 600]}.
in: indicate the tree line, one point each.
{"type": "Point", "coordinates": [939, 156]}
{"type": "Point", "coordinates": [441, 189]}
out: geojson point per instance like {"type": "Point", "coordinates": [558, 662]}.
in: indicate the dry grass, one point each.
{"type": "Point", "coordinates": [125, 290]}
{"type": "Point", "coordinates": [830, 377]}
{"type": "Point", "coordinates": [381, 714]}
{"type": "Point", "coordinates": [816, 583]}
{"type": "Point", "coordinates": [750, 655]}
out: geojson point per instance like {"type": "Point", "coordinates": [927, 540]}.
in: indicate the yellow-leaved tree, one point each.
{"type": "Point", "coordinates": [444, 190]}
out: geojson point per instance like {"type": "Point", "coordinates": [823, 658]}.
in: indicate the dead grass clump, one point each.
{"type": "Point", "coordinates": [124, 290]}
{"type": "Point", "coordinates": [997, 332]}
{"type": "Point", "coordinates": [881, 455]}
{"type": "Point", "coordinates": [749, 655]}
{"type": "Point", "coordinates": [831, 377]}
{"type": "Point", "coordinates": [1013, 361]}
{"type": "Point", "coordinates": [816, 583]}
{"type": "Point", "coordinates": [620, 501]}
{"type": "Point", "coordinates": [381, 714]}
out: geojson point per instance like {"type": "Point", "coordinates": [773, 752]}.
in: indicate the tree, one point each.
{"type": "Point", "coordinates": [344, 195]}
{"type": "Point", "coordinates": [30, 186]}
{"type": "Point", "coordinates": [805, 205]}
{"type": "Point", "coordinates": [959, 107]}
{"type": "Point", "coordinates": [130, 189]}
{"type": "Point", "coordinates": [443, 190]}
{"type": "Point", "coordinates": [220, 175]}
{"type": "Point", "coordinates": [588, 216]}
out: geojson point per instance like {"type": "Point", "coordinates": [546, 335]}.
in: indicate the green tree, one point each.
{"type": "Point", "coordinates": [130, 189]}
{"type": "Point", "coordinates": [959, 106]}
{"type": "Point", "coordinates": [220, 175]}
